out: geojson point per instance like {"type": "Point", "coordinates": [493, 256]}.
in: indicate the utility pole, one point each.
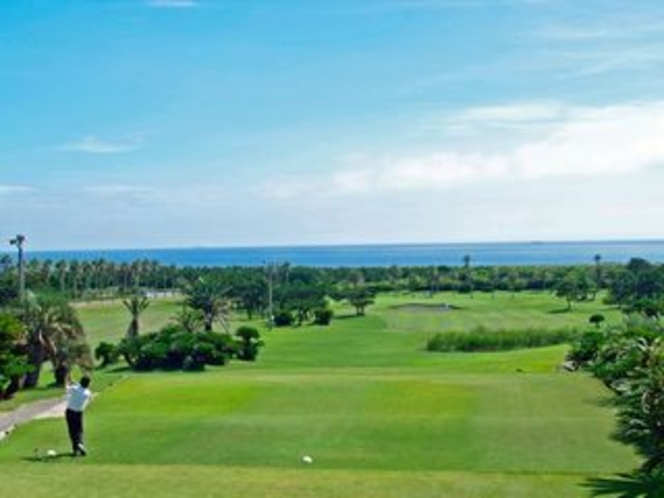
{"type": "Point", "coordinates": [18, 241]}
{"type": "Point", "coordinates": [270, 309]}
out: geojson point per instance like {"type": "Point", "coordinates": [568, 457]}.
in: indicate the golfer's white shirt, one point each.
{"type": "Point", "coordinates": [77, 397]}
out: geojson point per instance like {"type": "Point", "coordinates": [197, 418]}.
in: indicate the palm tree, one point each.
{"type": "Point", "coordinates": [598, 273]}
{"type": "Point", "coordinates": [211, 301]}
{"type": "Point", "coordinates": [467, 276]}
{"type": "Point", "coordinates": [136, 305]}
{"type": "Point", "coordinates": [53, 332]}
{"type": "Point", "coordinates": [61, 270]}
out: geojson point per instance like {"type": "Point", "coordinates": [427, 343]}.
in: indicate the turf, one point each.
{"type": "Point", "coordinates": [379, 415]}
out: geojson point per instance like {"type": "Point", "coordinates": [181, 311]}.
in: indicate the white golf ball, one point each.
{"type": "Point", "coordinates": [307, 459]}
{"type": "Point", "coordinates": [51, 453]}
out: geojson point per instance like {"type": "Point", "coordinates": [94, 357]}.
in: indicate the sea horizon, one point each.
{"type": "Point", "coordinates": [534, 252]}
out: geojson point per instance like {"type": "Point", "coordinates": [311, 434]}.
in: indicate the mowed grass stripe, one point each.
{"type": "Point", "coordinates": [48, 481]}
{"type": "Point", "coordinates": [515, 423]}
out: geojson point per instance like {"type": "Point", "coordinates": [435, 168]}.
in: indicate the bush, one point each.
{"type": "Point", "coordinates": [586, 346]}
{"type": "Point", "coordinates": [596, 319]}
{"type": "Point", "coordinates": [283, 318]}
{"type": "Point", "coordinates": [630, 360]}
{"type": "Point", "coordinates": [323, 316]}
{"type": "Point", "coordinates": [481, 339]}
{"type": "Point", "coordinates": [107, 353]}
{"type": "Point", "coordinates": [249, 342]}
{"type": "Point", "coordinates": [174, 348]}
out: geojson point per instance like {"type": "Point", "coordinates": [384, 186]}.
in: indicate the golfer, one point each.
{"type": "Point", "coordinates": [78, 396]}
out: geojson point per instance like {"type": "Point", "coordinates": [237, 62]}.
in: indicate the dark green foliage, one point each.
{"type": "Point", "coordinates": [301, 297]}
{"type": "Point", "coordinates": [283, 318]}
{"type": "Point", "coordinates": [586, 345]}
{"type": "Point", "coordinates": [641, 406]}
{"type": "Point", "coordinates": [107, 354]}
{"type": "Point", "coordinates": [210, 297]}
{"type": "Point", "coordinates": [13, 363]}
{"type": "Point", "coordinates": [249, 342]}
{"type": "Point", "coordinates": [482, 339]}
{"type": "Point", "coordinates": [323, 316]}
{"type": "Point", "coordinates": [53, 333]}
{"type": "Point", "coordinates": [638, 287]}
{"type": "Point", "coordinates": [651, 307]}
{"type": "Point", "coordinates": [596, 319]}
{"type": "Point", "coordinates": [136, 305]}
{"type": "Point", "coordinates": [630, 361]}
{"type": "Point", "coordinates": [176, 349]}
{"type": "Point", "coordinates": [575, 286]}
{"type": "Point", "coordinates": [8, 289]}
{"type": "Point", "coordinates": [359, 296]}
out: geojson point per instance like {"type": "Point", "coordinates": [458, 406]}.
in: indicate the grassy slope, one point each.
{"type": "Point", "coordinates": [380, 416]}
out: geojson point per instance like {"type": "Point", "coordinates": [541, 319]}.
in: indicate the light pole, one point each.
{"type": "Point", "coordinates": [269, 266]}
{"type": "Point", "coordinates": [18, 241]}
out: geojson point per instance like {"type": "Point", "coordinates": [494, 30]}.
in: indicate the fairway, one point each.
{"type": "Point", "coordinates": [378, 414]}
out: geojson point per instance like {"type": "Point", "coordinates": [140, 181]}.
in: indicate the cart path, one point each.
{"type": "Point", "coordinates": [46, 408]}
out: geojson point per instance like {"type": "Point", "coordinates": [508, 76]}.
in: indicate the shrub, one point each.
{"type": "Point", "coordinates": [174, 348]}
{"type": "Point", "coordinates": [249, 342]}
{"type": "Point", "coordinates": [630, 360]}
{"type": "Point", "coordinates": [323, 316]}
{"type": "Point", "coordinates": [107, 353]}
{"type": "Point", "coordinates": [585, 346]}
{"type": "Point", "coordinates": [191, 364]}
{"type": "Point", "coordinates": [596, 319]}
{"type": "Point", "coordinates": [283, 318]}
{"type": "Point", "coordinates": [481, 339]}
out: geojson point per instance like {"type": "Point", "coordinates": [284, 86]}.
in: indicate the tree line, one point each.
{"type": "Point", "coordinates": [44, 327]}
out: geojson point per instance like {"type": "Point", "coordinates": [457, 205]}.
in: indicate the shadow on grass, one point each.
{"type": "Point", "coordinates": [47, 458]}
{"type": "Point", "coordinates": [118, 369]}
{"type": "Point", "coordinates": [349, 316]}
{"type": "Point", "coordinates": [560, 311]}
{"type": "Point", "coordinates": [635, 485]}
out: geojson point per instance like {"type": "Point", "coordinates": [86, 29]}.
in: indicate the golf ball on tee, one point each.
{"type": "Point", "coordinates": [307, 459]}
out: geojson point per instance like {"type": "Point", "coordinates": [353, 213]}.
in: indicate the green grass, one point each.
{"type": "Point", "coordinates": [498, 340]}
{"type": "Point", "coordinates": [109, 320]}
{"type": "Point", "coordinates": [379, 414]}
{"type": "Point", "coordinates": [502, 311]}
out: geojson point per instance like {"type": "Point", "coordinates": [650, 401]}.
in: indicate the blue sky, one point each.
{"type": "Point", "coordinates": [171, 123]}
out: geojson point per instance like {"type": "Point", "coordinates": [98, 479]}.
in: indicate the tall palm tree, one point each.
{"type": "Point", "coordinates": [136, 305]}
{"type": "Point", "coordinates": [598, 273]}
{"type": "Point", "coordinates": [53, 332]}
{"type": "Point", "coordinates": [211, 301]}
{"type": "Point", "coordinates": [467, 275]}
{"type": "Point", "coordinates": [61, 270]}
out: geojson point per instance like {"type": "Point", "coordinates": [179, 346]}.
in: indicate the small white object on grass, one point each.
{"type": "Point", "coordinates": [307, 459]}
{"type": "Point", "coordinates": [51, 453]}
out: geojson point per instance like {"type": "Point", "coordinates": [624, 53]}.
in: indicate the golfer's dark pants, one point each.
{"type": "Point", "coordinates": [75, 427]}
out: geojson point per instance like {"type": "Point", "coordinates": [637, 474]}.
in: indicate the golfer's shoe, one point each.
{"type": "Point", "coordinates": [80, 449]}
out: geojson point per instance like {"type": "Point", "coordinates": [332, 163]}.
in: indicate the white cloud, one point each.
{"type": "Point", "coordinates": [173, 4]}
{"type": "Point", "coordinates": [94, 145]}
{"type": "Point", "coordinates": [582, 142]}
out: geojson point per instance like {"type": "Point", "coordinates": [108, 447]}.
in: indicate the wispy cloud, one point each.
{"type": "Point", "coordinates": [512, 116]}
{"type": "Point", "coordinates": [94, 145]}
{"type": "Point", "coordinates": [173, 4]}
{"type": "Point", "coordinates": [584, 142]}
{"type": "Point", "coordinates": [591, 62]}
{"type": "Point", "coordinates": [14, 189]}
{"type": "Point", "coordinates": [119, 190]}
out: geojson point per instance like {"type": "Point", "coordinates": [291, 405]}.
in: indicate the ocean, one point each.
{"type": "Point", "coordinates": [513, 253]}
